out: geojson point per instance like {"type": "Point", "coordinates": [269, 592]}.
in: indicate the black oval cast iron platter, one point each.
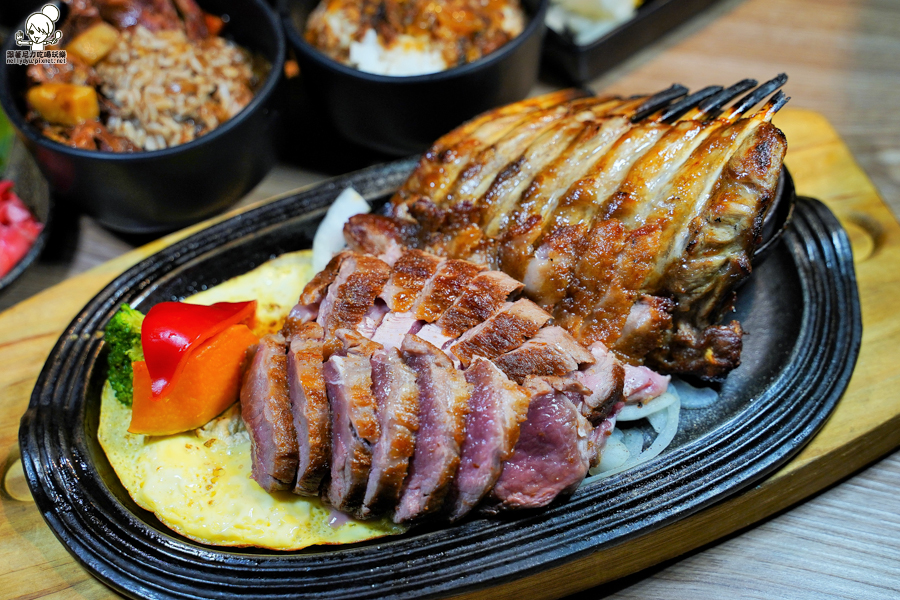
{"type": "Point", "coordinates": [800, 308]}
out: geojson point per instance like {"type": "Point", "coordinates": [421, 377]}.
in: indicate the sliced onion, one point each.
{"type": "Point", "coordinates": [662, 441]}
{"type": "Point", "coordinates": [633, 412]}
{"type": "Point", "coordinates": [692, 397]}
{"type": "Point", "coordinates": [634, 441]}
{"type": "Point", "coordinates": [658, 420]}
{"type": "Point", "coordinates": [329, 239]}
{"type": "Point", "coordinates": [615, 454]}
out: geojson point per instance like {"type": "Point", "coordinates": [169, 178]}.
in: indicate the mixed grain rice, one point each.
{"type": "Point", "coordinates": [169, 90]}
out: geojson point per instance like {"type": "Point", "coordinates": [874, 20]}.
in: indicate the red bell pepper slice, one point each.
{"type": "Point", "coordinates": [171, 330]}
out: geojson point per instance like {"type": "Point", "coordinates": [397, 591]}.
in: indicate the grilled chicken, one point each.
{"type": "Point", "coordinates": [630, 221]}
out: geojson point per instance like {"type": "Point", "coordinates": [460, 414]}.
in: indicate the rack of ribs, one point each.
{"type": "Point", "coordinates": [629, 220]}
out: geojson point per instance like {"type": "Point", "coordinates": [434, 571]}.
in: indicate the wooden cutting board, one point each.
{"type": "Point", "coordinates": [863, 427]}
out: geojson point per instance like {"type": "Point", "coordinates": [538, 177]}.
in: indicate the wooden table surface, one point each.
{"type": "Point", "coordinates": [843, 59]}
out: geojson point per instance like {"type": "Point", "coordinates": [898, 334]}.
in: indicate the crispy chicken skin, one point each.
{"type": "Point", "coordinates": [629, 221]}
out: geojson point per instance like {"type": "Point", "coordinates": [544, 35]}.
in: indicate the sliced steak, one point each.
{"type": "Point", "coordinates": [606, 379]}
{"type": "Point", "coordinates": [443, 404]}
{"type": "Point", "coordinates": [496, 408]}
{"type": "Point", "coordinates": [394, 326]}
{"type": "Point", "coordinates": [309, 403]}
{"type": "Point", "coordinates": [351, 295]}
{"type": "Point", "coordinates": [307, 307]}
{"type": "Point", "coordinates": [551, 457]}
{"type": "Point", "coordinates": [552, 351]}
{"type": "Point", "coordinates": [266, 411]}
{"type": "Point", "coordinates": [505, 331]}
{"type": "Point", "coordinates": [484, 296]}
{"type": "Point", "coordinates": [317, 288]}
{"type": "Point", "coordinates": [378, 234]}
{"type": "Point", "coordinates": [299, 316]}
{"type": "Point", "coordinates": [354, 426]}
{"type": "Point", "coordinates": [409, 275]}
{"type": "Point", "coordinates": [372, 319]}
{"type": "Point", "coordinates": [397, 395]}
{"type": "Point", "coordinates": [432, 334]}
{"type": "Point", "coordinates": [446, 285]}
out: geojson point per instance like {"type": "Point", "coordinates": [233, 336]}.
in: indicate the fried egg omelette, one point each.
{"type": "Point", "coordinates": [198, 482]}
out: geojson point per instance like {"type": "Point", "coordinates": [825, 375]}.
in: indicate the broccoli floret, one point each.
{"type": "Point", "coordinates": [123, 335]}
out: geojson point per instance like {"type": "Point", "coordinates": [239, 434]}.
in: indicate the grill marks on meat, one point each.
{"type": "Point", "coordinates": [266, 412]}
{"type": "Point", "coordinates": [307, 308]}
{"type": "Point", "coordinates": [551, 457]}
{"type": "Point", "coordinates": [461, 209]}
{"type": "Point", "coordinates": [549, 270]}
{"type": "Point", "coordinates": [504, 192]}
{"type": "Point", "coordinates": [443, 404]}
{"type": "Point", "coordinates": [450, 154]}
{"type": "Point", "coordinates": [496, 409]}
{"type": "Point", "coordinates": [619, 250]}
{"type": "Point", "coordinates": [723, 238]}
{"type": "Point", "coordinates": [409, 275]}
{"type": "Point", "coordinates": [379, 235]}
{"type": "Point", "coordinates": [552, 351]}
{"type": "Point", "coordinates": [397, 396]}
{"type": "Point", "coordinates": [596, 214]}
{"type": "Point", "coordinates": [351, 295]}
{"type": "Point", "coordinates": [445, 286]}
{"type": "Point", "coordinates": [310, 407]}
{"type": "Point", "coordinates": [540, 200]}
{"type": "Point", "coordinates": [503, 332]}
{"type": "Point", "coordinates": [484, 296]}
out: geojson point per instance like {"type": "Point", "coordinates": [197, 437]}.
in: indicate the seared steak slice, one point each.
{"type": "Point", "coordinates": [551, 457]}
{"type": "Point", "coordinates": [409, 275]}
{"type": "Point", "coordinates": [309, 403]}
{"type": "Point", "coordinates": [372, 319]}
{"type": "Point", "coordinates": [299, 316]}
{"type": "Point", "coordinates": [354, 426]}
{"type": "Point", "coordinates": [315, 291]}
{"type": "Point", "coordinates": [394, 326]}
{"type": "Point", "coordinates": [552, 351]}
{"type": "Point", "coordinates": [307, 307]}
{"type": "Point", "coordinates": [351, 295]}
{"type": "Point", "coordinates": [266, 411]}
{"type": "Point", "coordinates": [378, 234]}
{"type": "Point", "coordinates": [503, 332]}
{"type": "Point", "coordinates": [446, 285]}
{"type": "Point", "coordinates": [605, 378]}
{"type": "Point", "coordinates": [484, 296]}
{"type": "Point", "coordinates": [397, 395]}
{"type": "Point", "coordinates": [443, 404]}
{"type": "Point", "coordinates": [496, 408]}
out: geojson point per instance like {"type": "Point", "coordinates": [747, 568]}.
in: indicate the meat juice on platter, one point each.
{"type": "Point", "coordinates": [536, 281]}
